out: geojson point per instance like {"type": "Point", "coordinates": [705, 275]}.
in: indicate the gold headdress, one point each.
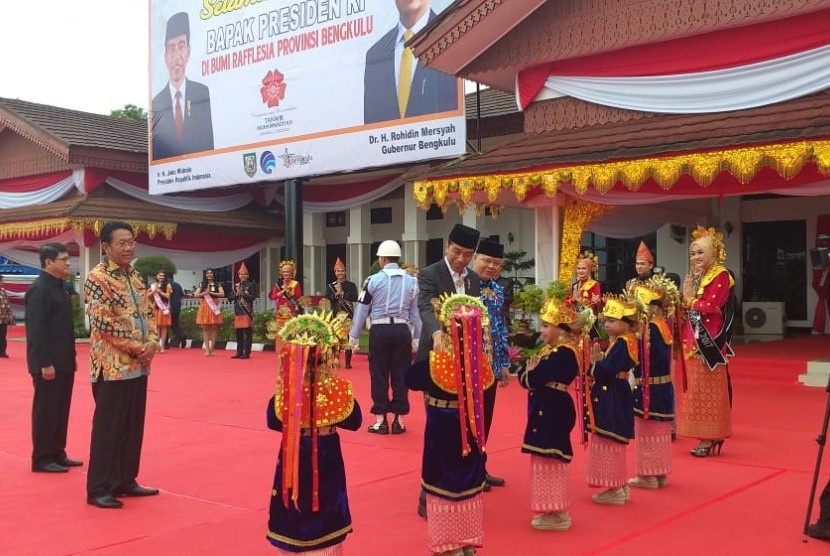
{"type": "Point", "coordinates": [556, 310]}
{"type": "Point", "coordinates": [242, 268]}
{"type": "Point", "coordinates": [308, 394]}
{"type": "Point", "coordinates": [717, 241]}
{"type": "Point", "coordinates": [591, 258]}
{"type": "Point", "coordinates": [657, 288]}
{"type": "Point", "coordinates": [338, 264]}
{"type": "Point", "coordinates": [618, 307]}
{"type": "Point", "coordinates": [291, 263]}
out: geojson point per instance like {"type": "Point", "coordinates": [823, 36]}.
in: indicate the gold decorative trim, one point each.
{"type": "Point", "coordinates": [21, 230]}
{"type": "Point", "coordinates": [149, 227]}
{"type": "Point", "coordinates": [787, 159]}
{"type": "Point", "coordinates": [578, 215]}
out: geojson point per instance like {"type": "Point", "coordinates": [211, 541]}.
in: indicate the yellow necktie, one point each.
{"type": "Point", "coordinates": [405, 75]}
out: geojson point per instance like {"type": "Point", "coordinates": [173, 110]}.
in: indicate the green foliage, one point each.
{"type": "Point", "coordinates": [516, 262]}
{"type": "Point", "coordinates": [130, 112]}
{"type": "Point", "coordinates": [78, 319]}
{"type": "Point", "coordinates": [226, 332]}
{"type": "Point", "coordinates": [148, 266]}
{"type": "Point", "coordinates": [557, 290]}
{"type": "Point", "coordinates": [528, 301]}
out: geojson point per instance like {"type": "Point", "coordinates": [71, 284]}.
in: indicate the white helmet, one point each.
{"type": "Point", "coordinates": [389, 248]}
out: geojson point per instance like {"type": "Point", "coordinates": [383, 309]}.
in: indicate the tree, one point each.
{"type": "Point", "coordinates": [150, 265]}
{"type": "Point", "coordinates": [130, 112]}
{"type": "Point", "coordinates": [515, 262]}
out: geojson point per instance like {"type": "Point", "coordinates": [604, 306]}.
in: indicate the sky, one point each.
{"type": "Point", "coordinates": [89, 55]}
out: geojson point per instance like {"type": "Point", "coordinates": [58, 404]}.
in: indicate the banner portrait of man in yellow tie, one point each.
{"type": "Point", "coordinates": [396, 85]}
{"type": "Point", "coordinates": [181, 114]}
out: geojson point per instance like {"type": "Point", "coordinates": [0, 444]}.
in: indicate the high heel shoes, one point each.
{"type": "Point", "coordinates": [706, 450]}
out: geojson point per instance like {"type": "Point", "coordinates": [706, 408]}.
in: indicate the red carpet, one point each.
{"type": "Point", "coordinates": [209, 451]}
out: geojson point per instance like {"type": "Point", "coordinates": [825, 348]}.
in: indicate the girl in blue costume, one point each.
{"type": "Point", "coordinates": [453, 382]}
{"type": "Point", "coordinates": [550, 412]}
{"type": "Point", "coordinates": [309, 506]}
{"type": "Point", "coordinates": [653, 388]}
{"type": "Point", "coordinates": [611, 406]}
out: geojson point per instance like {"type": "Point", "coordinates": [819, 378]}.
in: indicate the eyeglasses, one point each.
{"type": "Point", "coordinates": [124, 243]}
{"type": "Point", "coordinates": [63, 259]}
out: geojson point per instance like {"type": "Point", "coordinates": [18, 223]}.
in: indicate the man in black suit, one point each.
{"type": "Point", "coordinates": [388, 92]}
{"type": "Point", "coordinates": [449, 275]}
{"type": "Point", "coordinates": [181, 111]}
{"type": "Point", "coordinates": [50, 355]}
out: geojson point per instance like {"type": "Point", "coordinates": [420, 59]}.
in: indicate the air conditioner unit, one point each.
{"type": "Point", "coordinates": [763, 317]}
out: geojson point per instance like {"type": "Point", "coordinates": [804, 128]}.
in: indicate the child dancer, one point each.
{"type": "Point", "coordinates": [550, 412]}
{"type": "Point", "coordinates": [611, 405]}
{"type": "Point", "coordinates": [653, 388]}
{"type": "Point", "coordinates": [309, 506]}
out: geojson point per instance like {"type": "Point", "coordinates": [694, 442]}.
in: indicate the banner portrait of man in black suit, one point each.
{"type": "Point", "coordinates": [181, 110]}
{"type": "Point", "coordinates": [395, 84]}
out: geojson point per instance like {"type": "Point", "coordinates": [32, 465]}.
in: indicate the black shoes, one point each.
{"type": "Point", "coordinates": [819, 531]}
{"type": "Point", "coordinates": [246, 356]}
{"type": "Point", "coordinates": [493, 481]}
{"type": "Point", "coordinates": [379, 428]}
{"type": "Point", "coordinates": [135, 491]}
{"type": "Point", "coordinates": [50, 467]}
{"type": "Point", "coordinates": [397, 427]}
{"type": "Point", "coordinates": [106, 502]}
{"type": "Point", "coordinates": [422, 505]}
{"type": "Point", "coordinates": [237, 356]}
{"type": "Point", "coordinates": [68, 462]}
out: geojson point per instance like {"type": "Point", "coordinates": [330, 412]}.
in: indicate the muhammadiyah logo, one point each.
{"type": "Point", "coordinates": [249, 162]}
{"type": "Point", "coordinates": [267, 161]}
{"type": "Point", "coordinates": [291, 159]}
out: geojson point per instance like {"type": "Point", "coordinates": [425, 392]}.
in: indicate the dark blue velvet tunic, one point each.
{"type": "Point", "coordinates": [551, 415]}
{"type": "Point", "coordinates": [661, 394]}
{"type": "Point", "coordinates": [303, 530]}
{"type": "Point", "coordinates": [611, 397]}
{"type": "Point", "coordinates": [444, 471]}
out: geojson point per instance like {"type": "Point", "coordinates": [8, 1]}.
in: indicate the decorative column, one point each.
{"type": "Point", "coordinates": [576, 218]}
{"type": "Point", "coordinates": [414, 238]}
{"type": "Point", "coordinates": [548, 234]}
{"type": "Point", "coordinates": [314, 252]}
{"type": "Point", "coordinates": [359, 243]}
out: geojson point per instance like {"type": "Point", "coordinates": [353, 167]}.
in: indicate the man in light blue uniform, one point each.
{"type": "Point", "coordinates": [390, 298]}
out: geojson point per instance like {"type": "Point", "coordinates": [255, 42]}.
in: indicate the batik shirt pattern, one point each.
{"type": "Point", "coordinates": [121, 322]}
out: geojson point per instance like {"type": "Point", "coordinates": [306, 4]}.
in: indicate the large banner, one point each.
{"type": "Point", "coordinates": [252, 90]}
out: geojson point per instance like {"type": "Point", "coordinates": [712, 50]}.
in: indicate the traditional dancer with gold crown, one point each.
{"type": "Point", "coordinates": [550, 409]}
{"type": "Point", "coordinates": [610, 411]}
{"type": "Point", "coordinates": [705, 400]}
{"type": "Point", "coordinates": [309, 505]}
{"type": "Point", "coordinates": [453, 381]}
{"type": "Point", "coordinates": [653, 388]}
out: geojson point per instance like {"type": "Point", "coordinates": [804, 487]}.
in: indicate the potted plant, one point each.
{"type": "Point", "coordinates": [527, 302]}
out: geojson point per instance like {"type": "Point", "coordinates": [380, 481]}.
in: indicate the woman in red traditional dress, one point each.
{"type": "Point", "coordinates": [159, 296]}
{"type": "Point", "coordinates": [209, 316]}
{"type": "Point", "coordinates": [586, 291]}
{"type": "Point", "coordinates": [705, 411]}
{"type": "Point", "coordinates": [286, 294]}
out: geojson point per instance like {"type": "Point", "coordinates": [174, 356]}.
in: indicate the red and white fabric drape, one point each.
{"type": "Point", "coordinates": [721, 71]}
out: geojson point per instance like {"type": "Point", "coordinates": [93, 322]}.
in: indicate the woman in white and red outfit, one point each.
{"type": "Point", "coordinates": [159, 296]}
{"type": "Point", "coordinates": [209, 316]}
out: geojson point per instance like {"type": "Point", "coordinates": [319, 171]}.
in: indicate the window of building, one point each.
{"type": "Point", "coordinates": [381, 215]}
{"type": "Point", "coordinates": [435, 212]}
{"type": "Point", "coordinates": [336, 219]}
